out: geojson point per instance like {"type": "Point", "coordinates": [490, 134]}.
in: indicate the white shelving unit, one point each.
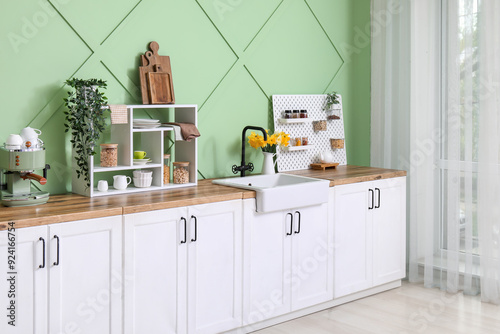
{"type": "Point", "coordinates": [154, 142]}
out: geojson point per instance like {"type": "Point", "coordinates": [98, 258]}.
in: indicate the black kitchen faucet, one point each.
{"type": "Point", "coordinates": [243, 166]}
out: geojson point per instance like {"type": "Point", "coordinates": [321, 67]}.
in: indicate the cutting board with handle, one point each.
{"type": "Point", "coordinates": [156, 77]}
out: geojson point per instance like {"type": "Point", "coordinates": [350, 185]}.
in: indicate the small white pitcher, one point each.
{"type": "Point", "coordinates": [121, 182]}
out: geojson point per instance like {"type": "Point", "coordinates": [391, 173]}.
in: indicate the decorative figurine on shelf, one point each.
{"type": "Point", "coordinates": [156, 77]}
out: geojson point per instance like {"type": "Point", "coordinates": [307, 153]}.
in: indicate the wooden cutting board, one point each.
{"type": "Point", "coordinates": [159, 84]}
{"type": "Point", "coordinates": [160, 89]}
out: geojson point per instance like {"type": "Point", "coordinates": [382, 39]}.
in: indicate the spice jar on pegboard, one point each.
{"type": "Point", "coordinates": [319, 125]}
{"type": "Point", "coordinates": [337, 143]}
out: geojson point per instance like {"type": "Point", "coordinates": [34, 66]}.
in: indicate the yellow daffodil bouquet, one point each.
{"type": "Point", "coordinates": [257, 141]}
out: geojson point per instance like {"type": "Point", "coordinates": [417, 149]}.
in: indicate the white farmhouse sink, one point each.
{"type": "Point", "coordinates": [281, 191]}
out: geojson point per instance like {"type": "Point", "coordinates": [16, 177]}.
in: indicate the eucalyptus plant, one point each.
{"type": "Point", "coordinates": [332, 99]}
{"type": "Point", "coordinates": [85, 119]}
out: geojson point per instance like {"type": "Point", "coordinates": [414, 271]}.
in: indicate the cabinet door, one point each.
{"type": "Point", "coordinates": [267, 267]}
{"type": "Point", "coordinates": [30, 292]}
{"type": "Point", "coordinates": [312, 259]}
{"type": "Point", "coordinates": [86, 276]}
{"type": "Point", "coordinates": [352, 238]}
{"type": "Point", "coordinates": [389, 230]}
{"type": "Point", "coordinates": [155, 269]}
{"type": "Point", "coordinates": [215, 267]}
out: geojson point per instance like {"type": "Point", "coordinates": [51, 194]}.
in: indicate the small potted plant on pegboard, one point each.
{"type": "Point", "coordinates": [332, 106]}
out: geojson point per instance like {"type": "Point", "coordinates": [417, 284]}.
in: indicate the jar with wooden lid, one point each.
{"type": "Point", "coordinates": [109, 155]}
{"type": "Point", "coordinates": [166, 168]}
{"type": "Point", "coordinates": [181, 172]}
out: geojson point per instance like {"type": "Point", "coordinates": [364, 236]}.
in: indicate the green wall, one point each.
{"type": "Point", "coordinates": [228, 56]}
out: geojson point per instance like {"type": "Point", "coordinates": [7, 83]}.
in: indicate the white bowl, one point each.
{"type": "Point", "coordinates": [143, 173]}
{"type": "Point", "coordinates": [143, 183]}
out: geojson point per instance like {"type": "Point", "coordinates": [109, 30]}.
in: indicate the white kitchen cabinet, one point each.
{"type": "Point", "coordinates": [288, 260]}
{"type": "Point", "coordinates": [185, 269]}
{"type": "Point", "coordinates": [155, 263]}
{"type": "Point", "coordinates": [30, 293]}
{"type": "Point", "coordinates": [370, 234]}
{"type": "Point", "coordinates": [85, 276]}
{"type": "Point", "coordinates": [69, 277]}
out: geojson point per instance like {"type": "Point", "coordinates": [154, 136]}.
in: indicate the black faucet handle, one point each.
{"type": "Point", "coordinates": [237, 169]}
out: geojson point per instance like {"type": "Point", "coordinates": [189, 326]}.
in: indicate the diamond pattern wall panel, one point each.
{"type": "Point", "coordinates": [240, 21]}
{"type": "Point", "coordinates": [295, 56]}
{"type": "Point", "coordinates": [228, 56]}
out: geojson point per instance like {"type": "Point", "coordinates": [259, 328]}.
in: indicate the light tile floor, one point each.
{"type": "Point", "coordinates": [405, 310]}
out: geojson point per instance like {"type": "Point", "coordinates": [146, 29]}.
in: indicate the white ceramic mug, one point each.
{"type": "Point", "coordinates": [30, 133]}
{"type": "Point", "coordinates": [14, 142]}
{"type": "Point", "coordinates": [14, 139]}
{"type": "Point", "coordinates": [121, 182]}
{"type": "Point", "coordinates": [102, 185]}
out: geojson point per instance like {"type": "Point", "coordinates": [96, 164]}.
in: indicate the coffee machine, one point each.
{"type": "Point", "coordinates": [17, 168]}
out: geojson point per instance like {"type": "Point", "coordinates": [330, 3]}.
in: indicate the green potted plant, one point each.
{"type": "Point", "coordinates": [85, 120]}
{"type": "Point", "coordinates": [332, 100]}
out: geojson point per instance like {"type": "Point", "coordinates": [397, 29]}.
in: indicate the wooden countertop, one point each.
{"type": "Point", "coordinates": [70, 207]}
{"type": "Point", "coordinates": [350, 174]}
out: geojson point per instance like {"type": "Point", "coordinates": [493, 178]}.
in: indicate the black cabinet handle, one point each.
{"type": "Point", "coordinates": [195, 229]}
{"type": "Point", "coordinates": [373, 198]}
{"type": "Point", "coordinates": [298, 230]}
{"type": "Point", "coordinates": [185, 230]}
{"type": "Point", "coordinates": [43, 262]}
{"type": "Point", "coordinates": [57, 262]}
{"type": "Point", "coordinates": [378, 204]}
{"type": "Point", "coordinates": [291, 223]}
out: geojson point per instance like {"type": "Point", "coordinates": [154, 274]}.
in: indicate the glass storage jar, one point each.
{"type": "Point", "coordinates": [109, 155]}
{"type": "Point", "coordinates": [296, 114]}
{"type": "Point", "coordinates": [166, 168]}
{"type": "Point", "coordinates": [181, 172]}
{"type": "Point", "coordinates": [288, 114]}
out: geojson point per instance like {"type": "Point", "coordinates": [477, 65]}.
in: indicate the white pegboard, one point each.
{"type": "Point", "coordinates": [314, 104]}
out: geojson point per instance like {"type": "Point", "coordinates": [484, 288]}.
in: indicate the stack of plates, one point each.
{"type": "Point", "coordinates": [141, 161]}
{"type": "Point", "coordinates": [146, 123]}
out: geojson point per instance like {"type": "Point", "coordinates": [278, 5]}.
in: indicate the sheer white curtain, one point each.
{"type": "Point", "coordinates": [435, 113]}
{"type": "Point", "coordinates": [489, 150]}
